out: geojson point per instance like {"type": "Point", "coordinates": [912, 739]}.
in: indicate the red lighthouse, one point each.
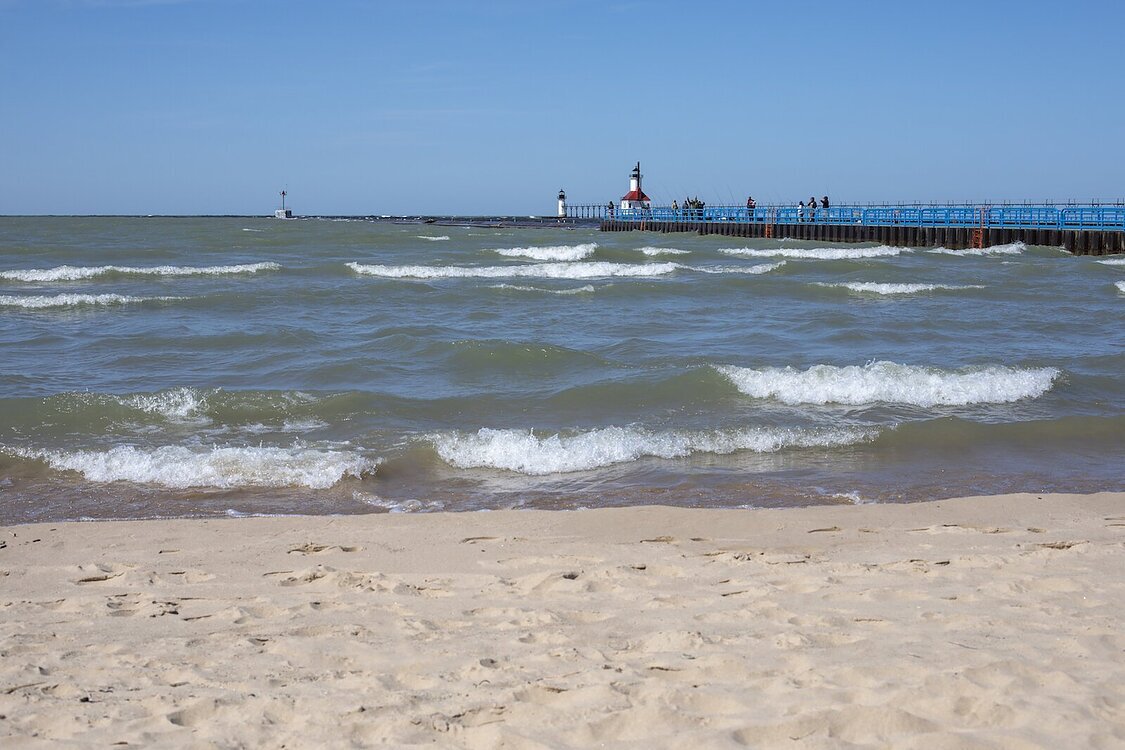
{"type": "Point", "coordinates": [635, 198]}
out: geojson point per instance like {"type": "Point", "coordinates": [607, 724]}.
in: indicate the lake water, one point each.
{"type": "Point", "coordinates": [158, 367]}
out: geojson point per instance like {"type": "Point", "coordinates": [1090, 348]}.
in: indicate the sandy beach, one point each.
{"type": "Point", "coordinates": [992, 622]}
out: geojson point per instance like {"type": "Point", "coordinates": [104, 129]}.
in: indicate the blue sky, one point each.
{"type": "Point", "coordinates": [361, 106]}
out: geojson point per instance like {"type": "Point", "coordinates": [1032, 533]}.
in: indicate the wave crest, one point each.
{"type": "Point", "coordinates": [1015, 248]}
{"type": "Point", "coordinates": [888, 382]}
{"type": "Point", "coordinates": [178, 467]}
{"type": "Point", "coordinates": [555, 252]}
{"type": "Point", "coordinates": [818, 253]}
{"type": "Point", "coordinates": [587, 289]}
{"type": "Point", "coordinates": [180, 404]}
{"type": "Point", "coordinates": [523, 452]}
{"type": "Point", "coordinates": [41, 302]}
{"type": "Point", "coordinates": [76, 273]}
{"type": "Point", "coordinates": [888, 289]}
{"type": "Point", "coordinates": [756, 269]}
{"type": "Point", "coordinates": [544, 271]}
{"type": "Point", "coordinates": [651, 251]}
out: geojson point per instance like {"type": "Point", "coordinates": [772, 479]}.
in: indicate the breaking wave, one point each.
{"type": "Point", "coordinates": [888, 382]}
{"type": "Point", "coordinates": [75, 273]}
{"type": "Point", "coordinates": [1112, 262]}
{"type": "Point", "coordinates": [543, 271]}
{"type": "Point", "coordinates": [760, 268]}
{"type": "Point", "coordinates": [1120, 286]}
{"type": "Point", "coordinates": [523, 452]}
{"type": "Point", "coordinates": [1014, 248]}
{"type": "Point", "coordinates": [177, 405]}
{"type": "Point", "coordinates": [818, 253]}
{"type": "Point", "coordinates": [587, 289]}
{"type": "Point", "coordinates": [555, 252]}
{"type": "Point", "coordinates": [875, 288]}
{"type": "Point", "coordinates": [40, 302]}
{"type": "Point", "coordinates": [651, 251]}
{"type": "Point", "coordinates": [179, 467]}
{"type": "Point", "coordinates": [442, 238]}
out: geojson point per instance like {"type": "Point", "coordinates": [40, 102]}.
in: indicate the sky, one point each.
{"type": "Point", "coordinates": [478, 107]}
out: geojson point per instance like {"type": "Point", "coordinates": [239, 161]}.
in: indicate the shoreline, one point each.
{"type": "Point", "coordinates": [984, 621]}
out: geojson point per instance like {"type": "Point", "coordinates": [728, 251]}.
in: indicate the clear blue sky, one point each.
{"type": "Point", "coordinates": [362, 106]}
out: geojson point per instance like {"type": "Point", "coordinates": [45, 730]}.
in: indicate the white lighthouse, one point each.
{"type": "Point", "coordinates": [635, 198]}
{"type": "Point", "coordinates": [562, 204]}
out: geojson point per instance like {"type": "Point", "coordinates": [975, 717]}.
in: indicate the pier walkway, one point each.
{"type": "Point", "coordinates": [1081, 229]}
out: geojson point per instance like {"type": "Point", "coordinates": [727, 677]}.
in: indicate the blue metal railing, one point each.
{"type": "Point", "coordinates": [986, 216]}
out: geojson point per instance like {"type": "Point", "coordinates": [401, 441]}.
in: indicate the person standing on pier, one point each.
{"type": "Point", "coordinates": [824, 202]}
{"type": "Point", "coordinates": [812, 209]}
{"type": "Point", "coordinates": [800, 210]}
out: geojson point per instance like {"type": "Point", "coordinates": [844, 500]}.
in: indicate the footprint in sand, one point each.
{"type": "Point", "coordinates": [100, 572]}
{"type": "Point", "coordinates": [309, 548]}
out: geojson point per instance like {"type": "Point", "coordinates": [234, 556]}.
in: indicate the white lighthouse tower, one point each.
{"type": "Point", "coordinates": [562, 204]}
{"type": "Point", "coordinates": [635, 198]}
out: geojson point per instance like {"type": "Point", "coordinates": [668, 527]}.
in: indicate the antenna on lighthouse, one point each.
{"type": "Point", "coordinates": [283, 212]}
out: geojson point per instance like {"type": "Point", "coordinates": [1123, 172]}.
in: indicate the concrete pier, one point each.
{"type": "Point", "coordinates": [1077, 241]}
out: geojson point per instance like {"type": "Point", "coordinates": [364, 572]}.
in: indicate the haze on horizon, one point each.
{"type": "Point", "coordinates": [364, 107]}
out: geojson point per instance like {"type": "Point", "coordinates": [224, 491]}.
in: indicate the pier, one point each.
{"type": "Point", "coordinates": [1080, 229]}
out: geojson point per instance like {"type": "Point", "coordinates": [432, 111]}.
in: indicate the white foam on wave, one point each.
{"type": "Point", "coordinates": [889, 289]}
{"type": "Point", "coordinates": [543, 270]}
{"type": "Point", "coordinates": [76, 273]}
{"type": "Point", "coordinates": [41, 302]}
{"type": "Point", "coordinates": [587, 289]}
{"type": "Point", "coordinates": [651, 251]}
{"type": "Point", "coordinates": [757, 269]}
{"type": "Point", "coordinates": [1120, 286]}
{"type": "Point", "coordinates": [555, 252]}
{"type": "Point", "coordinates": [410, 505]}
{"type": "Point", "coordinates": [1015, 248]}
{"type": "Point", "coordinates": [295, 426]}
{"type": "Point", "coordinates": [818, 253]}
{"type": "Point", "coordinates": [442, 238]}
{"type": "Point", "coordinates": [523, 452]}
{"type": "Point", "coordinates": [177, 405]}
{"type": "Point", "coordinates": [888, 382]}
{"type": "Point", "coordinates": [854, 498]}
{"type": "Point", "coordinates": [1112, 262]}
{"type": "Point", "coordinates": [179, 467]}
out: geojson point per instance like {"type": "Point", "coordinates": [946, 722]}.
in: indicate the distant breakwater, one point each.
{"type": "Point", "coordinates": [1077, 241]}
{"type": "Point", "coordinates": [1080, 229]}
